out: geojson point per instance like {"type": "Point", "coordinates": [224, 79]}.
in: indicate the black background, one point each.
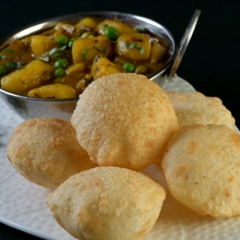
{"type": "Point", "coordinates": [211, 63]}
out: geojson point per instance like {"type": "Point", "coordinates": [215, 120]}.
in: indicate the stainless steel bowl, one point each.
{"type": "Point", "coordinates": [27, 107]}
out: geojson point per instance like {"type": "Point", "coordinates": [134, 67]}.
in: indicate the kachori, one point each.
{"type": "Point", "coordinates": [196, 108]}
{"type": "Point", "coordinates": [107, 203]}
{"type": "Point", "coordinates": [124, 120]}
{"type": "Point", "coordinates": [201, 167]}
{"type": "Point", "coordinates": [46, 151]}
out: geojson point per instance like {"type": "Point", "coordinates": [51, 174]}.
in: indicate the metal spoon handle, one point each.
{"type": "Point", "coordinates": [184, 43]}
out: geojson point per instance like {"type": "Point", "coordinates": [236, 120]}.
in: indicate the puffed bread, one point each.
{"type": "Point", "coordinates": [107, 203]}
{"type": "Point", "coordinates": [46, 151]}
{"type": "Point", "coordinates": [124, 120]}
{"type": "Point", "coordinates": [195, 108]}
{"type": "Point", "coordinates": [201, 167]}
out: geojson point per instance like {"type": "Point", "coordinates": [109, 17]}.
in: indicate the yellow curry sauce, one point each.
{"type": "Point", "coordinates": [61, 62]}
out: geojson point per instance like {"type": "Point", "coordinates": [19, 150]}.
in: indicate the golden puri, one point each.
{"type": "Point", "coordinates": [124, 120]}
{"type": "Point", "coordinates": [202, 169]}
{"type": "Point", "coordinates": [46, 151]}
{"type": "Point", "coordinates": [195, 108]}
{"type": "Point", "coordinates": [107, 203]}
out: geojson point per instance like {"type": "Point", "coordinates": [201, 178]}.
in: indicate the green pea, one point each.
{"type": "Point", "coordinates": [61, 63]}
{"type": "Point", "coordinates": [3, 70]}
{"type": "Point", "coordinates": [62, 40]}
{"type": "Point", "coordinates": [71, 41]}
{"type": "Point", "coordinates": [128, 67]}
{"type": "Point", "coordinates": [59, 72]}
{"type": "Point", "coordinates": [112, 33]}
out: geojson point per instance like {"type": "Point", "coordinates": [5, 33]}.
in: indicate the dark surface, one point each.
{"type": "Point", "coordinates": [210, 64]}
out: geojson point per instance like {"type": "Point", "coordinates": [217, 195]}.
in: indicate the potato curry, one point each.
{"type": "Point", "coordinates": [62, 61]}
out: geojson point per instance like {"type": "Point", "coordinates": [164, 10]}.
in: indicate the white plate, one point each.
{"type": "Point", "coordinates": [22, 203]}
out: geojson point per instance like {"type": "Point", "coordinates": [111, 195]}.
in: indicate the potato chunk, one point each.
{"type": "Point", "coordinates": [17, 51]}
{"type": "Point", "coordinates": [41, 44]}
{"type": "Point", "coordinates": [85, 49]}
{"type": "Point", "coordinates": [121, 27]}
{"type": "Point", "coordinates": [63, 29]}
{"type": "Point", "coordinates": [86, 23]}
{"type": "Point", "coordinates": [53, 91]}
{"type": "Point", "coordinates": [102, 67]}
{"type": "Point", "coordinates": [134, 46]}
{"type": "Point", "coordinates": [78, 67]}
{"type": "Point", "coordinates": [32, 75]}
{"type": "Point", "coordinates": [158, 52]}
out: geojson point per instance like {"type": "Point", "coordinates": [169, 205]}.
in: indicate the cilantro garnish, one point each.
{"type": "Point", "coordinates": [136, 46]}
{"type": "Point", "coordinates": [104, 51]}
{"type": "Point", "coordinates": [84, 53]}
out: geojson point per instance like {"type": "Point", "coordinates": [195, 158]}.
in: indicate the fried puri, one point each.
{"type": "Point", "coordinates": [107, 203]}
{"type": "Point", "coordinates": [195, 108]}
{"type": "Point", "coordinates": [202, 169]}
{"type": "Point", "coordinates": [46, 151]}
{"type": "Point", "coordinates": [124, 120]}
